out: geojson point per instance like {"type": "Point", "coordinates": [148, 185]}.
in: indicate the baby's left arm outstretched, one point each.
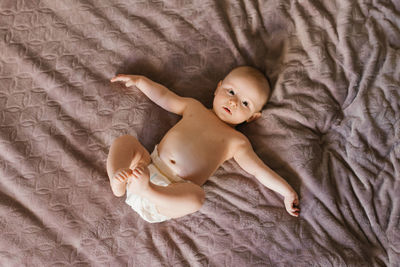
{"type": "Point", "coordinates": [250, 162]}
{"type": "Point", "coordinates": [156, 92]}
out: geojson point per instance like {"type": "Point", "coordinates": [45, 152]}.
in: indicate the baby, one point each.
{"type": "Point", "coordinates": [167, 183]}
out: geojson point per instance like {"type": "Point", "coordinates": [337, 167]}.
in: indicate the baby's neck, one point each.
{"type": "Point", "coordinates": [231, 125]}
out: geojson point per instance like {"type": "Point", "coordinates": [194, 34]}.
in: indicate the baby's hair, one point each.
{"type": "Point", "coordinates": [269, 85]}
{"type": "Point", "coordinates": [259, 76]}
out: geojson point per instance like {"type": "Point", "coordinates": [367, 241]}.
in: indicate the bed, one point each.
{"type": "Point", "coordinates": [331, 129]}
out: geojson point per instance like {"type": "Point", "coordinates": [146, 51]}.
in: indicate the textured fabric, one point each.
{"type": "Point", "coordinates": [331, 129]}
{"type": "Point", "coordinates": [145, 208]}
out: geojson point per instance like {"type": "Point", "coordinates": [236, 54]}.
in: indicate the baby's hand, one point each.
{"type": "Point", "coordinates": [292, 204]}
{"type": "Point", "coordinates": [129, 80]}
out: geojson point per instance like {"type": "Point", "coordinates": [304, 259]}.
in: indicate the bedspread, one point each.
{"type": "Point", "coordinates": [331, 129]}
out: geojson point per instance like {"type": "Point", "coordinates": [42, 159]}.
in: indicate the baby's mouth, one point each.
{"type": "Point", "coordinates": [227, 110]}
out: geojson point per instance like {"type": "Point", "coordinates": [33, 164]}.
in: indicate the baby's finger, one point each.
{"type": "Point", "coordinates": [293, 213]}
{"type": "Point", "coordinates": [116, 177]}
{"type": "Point", "coordinates": [129, 83]}
{"type": "Point", "coordinates": [120, 78]}
{"type": "Point", "coordinates": [120, 178]}
{"type": "Point", "coordinates": [124, 173]}
{"type": "Point", "coordinates": [296, 211]}
{"type": "Point", "coordinates": [114, 79]}
{"type": "Point", "coordinates": [139, 170]}
{"type": "Point", "coordinates": [134, 175]}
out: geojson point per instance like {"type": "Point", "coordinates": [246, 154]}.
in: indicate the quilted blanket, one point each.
{"type": "Point", "coordinates": [331, 129]}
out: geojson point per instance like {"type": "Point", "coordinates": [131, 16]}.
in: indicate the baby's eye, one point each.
{"type": "Point", "coordinates": [245, 103]}
{"type": "Point", "coordinates": [231, 92]}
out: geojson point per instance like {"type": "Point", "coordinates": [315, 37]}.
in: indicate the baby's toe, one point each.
{"type": "Point", "coordinates": [121, 174]}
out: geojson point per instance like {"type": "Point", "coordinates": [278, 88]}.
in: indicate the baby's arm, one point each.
{"type": "Point", "coordinates": [157, 93]}
{"type": "Point", "coordinates": [250, 162]}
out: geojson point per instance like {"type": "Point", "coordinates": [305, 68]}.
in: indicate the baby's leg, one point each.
{"type": "Point", "coordinates": [125, 153]}
{"type": "Point", "coordinates": [174, 200]}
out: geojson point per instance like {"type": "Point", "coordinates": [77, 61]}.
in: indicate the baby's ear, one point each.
{"type": "Point", "coordinates": [218, 86]}
{"type": "Point", "coordinates": [253, 117]}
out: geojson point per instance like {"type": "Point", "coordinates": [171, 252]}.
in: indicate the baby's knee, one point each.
{"type": "Point", "coordinates": [198, 199]}
{"type": "Point", "coordinates": [126, 139]}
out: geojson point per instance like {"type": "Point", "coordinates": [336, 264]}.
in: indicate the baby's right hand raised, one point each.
{"type": "Point", "coordinates": [128, 80]}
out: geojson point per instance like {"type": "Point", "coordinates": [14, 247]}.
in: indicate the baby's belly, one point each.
{"type": "Point", "coordinates": [189, 161]}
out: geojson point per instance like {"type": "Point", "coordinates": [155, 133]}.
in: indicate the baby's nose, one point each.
{"type": "Point", "coordinates": [232, 102]}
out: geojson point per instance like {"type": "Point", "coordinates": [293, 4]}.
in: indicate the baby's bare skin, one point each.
{"type": "Point", "coordinates": [197, 145]}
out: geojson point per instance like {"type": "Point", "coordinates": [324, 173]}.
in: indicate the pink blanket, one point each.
{"type": "Point", "coordinates": [331, 129]}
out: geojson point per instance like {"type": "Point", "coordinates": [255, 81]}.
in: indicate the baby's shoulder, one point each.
{"type": "Point", "coordinates": [193, 104]}
{"type": "Point", "coordinates": [239, 139]}
{"type": "Point", "coordinates": [235, 141]}
{"type": "Point", "coordinates": [192, 101]}
{"type": "Point", "coordinates": [236, 138]}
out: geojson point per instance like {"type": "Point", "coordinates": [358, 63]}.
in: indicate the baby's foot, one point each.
{"type": "Point", "coordinates": [139, 180]}
{"type": "Point", "coordinates": [119, 181]}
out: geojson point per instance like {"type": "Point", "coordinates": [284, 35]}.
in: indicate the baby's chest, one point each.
{"type": "Point", "coordinates": [196, 147]}
{"type": "Point", "coordinates": [206, 138]}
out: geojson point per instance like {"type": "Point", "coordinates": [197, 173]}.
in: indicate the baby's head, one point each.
{"type": "Point", "coordinates": [241, 95]}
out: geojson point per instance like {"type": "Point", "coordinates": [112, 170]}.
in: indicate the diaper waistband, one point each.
{"type": "Point", "coordinates": [163, 168]}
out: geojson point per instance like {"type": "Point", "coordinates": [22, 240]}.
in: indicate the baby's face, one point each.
{"type": "Point", "coordinates": [239, 98]}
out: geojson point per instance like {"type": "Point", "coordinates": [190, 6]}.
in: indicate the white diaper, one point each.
{"type": "Point", "coordinates": [160, 174]}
